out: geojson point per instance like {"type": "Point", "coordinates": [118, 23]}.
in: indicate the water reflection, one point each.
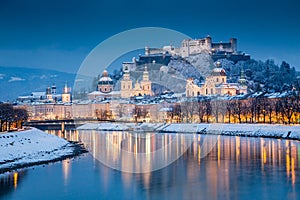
{"type": "Point", "coordinates": [135, 152]}
{"type": "Point", "coordinates": [66, 169]}
{"type": "Point", "coordinates": [268, 152]}
{"type": "Point", "coordinates": [71, 135]}
{"type": "Point", "coordinates": [9, 181]}
{"type": "Point", "coordinates": [234, 167]}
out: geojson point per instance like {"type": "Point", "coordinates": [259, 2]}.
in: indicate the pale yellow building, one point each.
{"type": "Point", "coordinates": [66, 96]}
{"type": "Point", "coordinates": [215, 84]}
{"type": "Point", "coordinates": [140, 88]}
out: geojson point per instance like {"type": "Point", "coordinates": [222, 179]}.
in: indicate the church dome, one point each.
{"type": "Point", "coordinates": [218, 72]}
{"type": "Point", "coordinates": [104, 73]}
{"type": "Point", "coordinates": [105, 79]}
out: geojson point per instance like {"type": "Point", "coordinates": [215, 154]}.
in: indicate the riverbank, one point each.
{"type": "Point", "coordinates": [247, 130]}
{"type": "Point", "coordinates": [34, 147]}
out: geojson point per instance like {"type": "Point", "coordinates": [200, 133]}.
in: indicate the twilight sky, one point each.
{"type": "Point", "coordinates": [58, 34]}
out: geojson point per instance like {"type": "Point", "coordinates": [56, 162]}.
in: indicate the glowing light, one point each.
{"type": "Point", "coordinates": [15, 180]}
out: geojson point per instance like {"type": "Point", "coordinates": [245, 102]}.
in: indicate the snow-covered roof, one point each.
{"type": "Point", "coordinates": [218, 72]}
{"type": "Point", "coordinates": [38, 94]}
{"type": "Point", "coordinates": [105, 79]}
{"type": "Point", "coordinates": [102, 93]}
{"type": "Point", "coordinates": [165, 110]}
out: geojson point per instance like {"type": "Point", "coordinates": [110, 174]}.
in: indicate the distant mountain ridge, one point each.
{"type": "Point", "coordinates": [16, 81]}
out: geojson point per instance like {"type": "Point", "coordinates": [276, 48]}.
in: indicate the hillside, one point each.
{"type": "Point", "coordinates": [16, 81]}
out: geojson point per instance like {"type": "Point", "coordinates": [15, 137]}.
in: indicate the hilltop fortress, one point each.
{"type": "Point", "coordinates": [189, 47]}
{"type": "Point", "coordinates": [205, 45]}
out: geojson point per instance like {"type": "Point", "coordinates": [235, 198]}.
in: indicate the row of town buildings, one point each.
{"type": "Point", "coordinates": [212, 101]}
{"type": "Point", "coordinates": [134, 99]}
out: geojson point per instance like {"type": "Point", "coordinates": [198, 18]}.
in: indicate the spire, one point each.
{"type": "Point", "coordinates": [242, 79]}
{"type": "Point", "coordinates": [145, 74]}
{"type": "Point", "coordinates": [65, 90]}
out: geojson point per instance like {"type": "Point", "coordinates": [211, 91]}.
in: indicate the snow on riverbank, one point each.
{"type": "Point", "coordinates": [251, 130]}
{"type": "Point", "coordinates": [29, 147]}
{"type": "Point", "coordinates": [254, 130]}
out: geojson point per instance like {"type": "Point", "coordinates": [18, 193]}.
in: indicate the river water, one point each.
{"type": "Point", "coordinates": [229, 168]}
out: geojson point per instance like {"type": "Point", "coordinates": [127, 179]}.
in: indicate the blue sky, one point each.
{"type": "Point", "coordinates": [59, 34]}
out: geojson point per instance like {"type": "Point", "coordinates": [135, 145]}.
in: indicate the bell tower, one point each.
{"type": "Point", "coordinates": [66, 96]}
{"type": "Point", "coordinates": [146, 83]}
{"type": "Point", "coordinates": [126, 86]}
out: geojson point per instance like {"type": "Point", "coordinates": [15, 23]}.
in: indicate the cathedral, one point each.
{"type": "Point", "coordinates": [216, 84]}
{"type": "Point", "coordinates": [140, 88]}
{"type": "Point", "coordinates": [128, 89]}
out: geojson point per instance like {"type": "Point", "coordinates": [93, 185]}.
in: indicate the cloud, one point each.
{"type": "Point", "coordinates": [13, 79]}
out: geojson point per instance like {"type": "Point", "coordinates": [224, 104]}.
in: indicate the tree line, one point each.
{"type": "Point", "coordinates": [11, 117]}
{"type": "Point", "coordinates": [285, 110]}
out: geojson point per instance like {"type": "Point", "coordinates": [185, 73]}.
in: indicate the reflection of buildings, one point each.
{"type": "Point", "coordinates": [215, 84]}
{"type": "Point", "coordinates": [219, 161]}
{"type": "Point", "coordinates": [122, 150]}
{"type": "Point", "coordinates": [9, 181]}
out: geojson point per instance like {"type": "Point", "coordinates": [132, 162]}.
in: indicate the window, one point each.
{"type": "Point", "coordinates": [223, 80]}
{"type": "Point", "coordinates": [217, 80]}
{"type": "Point", "coordinates": [211, 91]}
{"type": "Point", "coordinates": [206, 91]}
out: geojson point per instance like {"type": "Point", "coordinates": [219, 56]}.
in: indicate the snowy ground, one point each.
{"type": "Point", "coordinates": [254, 130]}
{"type": "Point", "coordinates": [29, 147]}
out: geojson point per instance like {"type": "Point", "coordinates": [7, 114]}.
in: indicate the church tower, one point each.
{"type": "Point", "coordinates": [242, 79]}
{"type": "Point", "coordinates": [126, 86]}
{"type": "Point", "coordinates": [66, 96]}
{"type": "Point", "coordinates": [49, 94]}
{"type": "Point", "coordinates": [146, 83]}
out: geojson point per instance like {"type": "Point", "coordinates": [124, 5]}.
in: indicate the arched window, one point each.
{"type": "Point", "coordinates": [217, 80]}
{"type": "Point", "coordinates": [198, 93]}
{"type": "Point", "coordinates": [223, 80]}
{"type": "Point", "coordinates": [206, 91]}
{"type": "Point", "coordinates": [211, 91]}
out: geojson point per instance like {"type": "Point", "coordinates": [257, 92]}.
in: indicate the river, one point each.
{"type": "Point", "coordinates": [234, 168]}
